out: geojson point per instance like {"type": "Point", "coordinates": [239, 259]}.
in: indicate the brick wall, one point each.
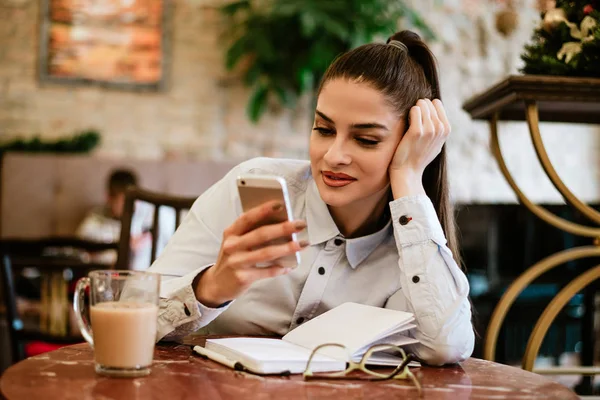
{"type": "Point", "coordinates": [202, 115]}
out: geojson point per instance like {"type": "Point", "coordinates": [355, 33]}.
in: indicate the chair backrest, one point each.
{"type": "Point", "coordinates": [158, 200]}
{"type": "Point", "coordinates": [47, 255]}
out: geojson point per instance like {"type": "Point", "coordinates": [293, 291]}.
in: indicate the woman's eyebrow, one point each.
{"type": "Point", "coordinates": [325, 117]}
{"type": "Point", "coordinates": [367, 125]}
{"type": "Point", "coordinates": [370, 125]}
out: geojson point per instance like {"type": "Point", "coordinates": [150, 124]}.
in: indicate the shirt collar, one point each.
{"type": "Point", "coordinates": [321, 228]}
{"type": "Point", "coordinates": [358, 249]}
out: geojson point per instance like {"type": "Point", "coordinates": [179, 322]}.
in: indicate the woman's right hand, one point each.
{"type": "Point", "coordinates": [241, 249]}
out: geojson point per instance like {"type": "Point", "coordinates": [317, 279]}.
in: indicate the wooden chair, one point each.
{"type": "Point", "coordinates": [51, 257]}
{"type": "Point", "coordinates": [133, 194]}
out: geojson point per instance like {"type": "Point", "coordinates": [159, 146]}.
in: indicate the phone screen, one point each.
{"type": "Point", "coordinates": [254, 196]}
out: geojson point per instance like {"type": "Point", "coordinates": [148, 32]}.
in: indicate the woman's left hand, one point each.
{"type": "Point", "coordinates": [429, 128]}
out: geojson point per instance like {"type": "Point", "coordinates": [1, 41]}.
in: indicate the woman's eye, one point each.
{"type": "Point", "coordinates": [367, 142]}
{"type": "Point", "coordinates": [323, 131]}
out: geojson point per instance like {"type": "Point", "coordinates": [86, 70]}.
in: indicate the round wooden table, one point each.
{"type": "Point", "coordinates": [177, 373]}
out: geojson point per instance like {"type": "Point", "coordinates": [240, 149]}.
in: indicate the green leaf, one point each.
{"type": "Point", "coordinates": [286, 97]}
{"type": "Point", "coordinates": [252, 74]}
{"type": "Point", "coordinates": [235, 52]}
{"type": "Point", "coordinates": [231, 9]}
{"type": "Point", "coordinates": [286, 8]}
{"type": "Point", "coordinates": [332, 25]}
{"type": "Point", "coordinates": [257, 103]}
{"type": "Point", "coordinates": [264, 48]}
{"type": "Point", "coordinates": [305, 79]}
{"type": "Point", "coordinates": [309, 24]}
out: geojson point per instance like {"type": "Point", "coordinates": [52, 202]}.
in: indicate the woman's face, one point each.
{"type": "Point", "coordinates": [354, 137]}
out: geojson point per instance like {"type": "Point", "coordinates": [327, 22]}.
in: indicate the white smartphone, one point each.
{"type": "Point", "coordinates": [255, 190]}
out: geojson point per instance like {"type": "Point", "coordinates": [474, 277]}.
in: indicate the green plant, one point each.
{"type": "Point", "coordinates": [285, 46]}
{"type": "Point", "coordinates": [81, 142]}
{"type": "Point", "coordinates": [567, 42]}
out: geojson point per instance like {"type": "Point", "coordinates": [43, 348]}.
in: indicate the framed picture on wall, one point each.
{"type": "Point", "coordinates": [114, 43]}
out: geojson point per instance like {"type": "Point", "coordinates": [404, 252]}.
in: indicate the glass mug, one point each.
{"type": "Point", "coordinates": [123, 313]}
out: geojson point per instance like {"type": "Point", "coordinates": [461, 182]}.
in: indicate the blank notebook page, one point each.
{"type": "Point", "coordinates": [351, 324]}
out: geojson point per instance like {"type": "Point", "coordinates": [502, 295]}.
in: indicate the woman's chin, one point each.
{"type": "Point", "coordinates": [334, 199]}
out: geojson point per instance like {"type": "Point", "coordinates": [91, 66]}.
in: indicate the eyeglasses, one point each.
{"type": "Point", "coordinates": [400, 372]}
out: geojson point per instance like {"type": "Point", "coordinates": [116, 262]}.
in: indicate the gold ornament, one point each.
{"type": "Point", "coordinates": [583, 33]}
{"type": "Point", "coordinates": [587, 24]}
{"type": "Point", "coordinates": [570, 50]}
{"type": "Point", "coordinates": [553, 18]}
{"type": "Point", "coordinates": [506, 21]}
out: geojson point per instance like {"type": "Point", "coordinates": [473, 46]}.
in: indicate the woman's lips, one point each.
{"type": "Point", "coordinates": [336, 180]}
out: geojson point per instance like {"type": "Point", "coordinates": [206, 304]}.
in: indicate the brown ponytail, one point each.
{"type": "Point", "coordinates": [419, 52]}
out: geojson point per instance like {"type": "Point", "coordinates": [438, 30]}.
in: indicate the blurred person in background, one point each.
{"type": "Point", "coordinates": [104, 223]}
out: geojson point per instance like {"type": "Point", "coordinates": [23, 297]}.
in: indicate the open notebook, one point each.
{"type": "Point", "coordinates": [356, 326]}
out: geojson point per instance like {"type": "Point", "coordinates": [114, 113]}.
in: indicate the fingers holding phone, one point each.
{"type": "Point", "coordinates": [255, 190]}
{"type": "Point", "coordinates": [272, 234]}
{"type": "Point", "coordinates": [261, 243]}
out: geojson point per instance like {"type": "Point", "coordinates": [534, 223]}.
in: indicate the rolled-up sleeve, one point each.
{"type": "Point", "coordinates": [433, 286]}
{"type": "Point", "coordinates": [193, 248]}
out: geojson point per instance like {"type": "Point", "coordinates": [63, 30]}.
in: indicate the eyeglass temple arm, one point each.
{"type": "Point", "coordinates": [307, 371]}
{"type": "Point", "coordinates": [409, 357]}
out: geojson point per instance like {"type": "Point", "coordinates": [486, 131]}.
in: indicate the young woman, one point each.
{"type": "Point", "coordinates": [372, 208]}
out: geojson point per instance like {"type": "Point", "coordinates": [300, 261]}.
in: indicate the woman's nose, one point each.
{"type": "Point", "coordinates": [337, 153]}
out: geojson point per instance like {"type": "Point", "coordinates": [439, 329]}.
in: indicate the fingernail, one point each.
{"type": "Point", "coordinates": [304, 243]}
{"type": "Point", "coordinates": [299, 224]}
{"type": "Point", "coordinates": [277, 206]}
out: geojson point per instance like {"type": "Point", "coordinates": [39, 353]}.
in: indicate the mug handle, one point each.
{"type": "Point", "coordinates": [78, 306]}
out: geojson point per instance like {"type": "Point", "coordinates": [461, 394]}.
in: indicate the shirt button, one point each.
{"type": "Point", "coordinates": [321, 271]}
{"type": "Point", "coordinates": [416, 279]}
{"type": "Point", "coordinates": [404, 220]}
{"type": "Point", "coordinates": [300, 320]}
{"type": "Point", "coordinates": [338, 242]}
